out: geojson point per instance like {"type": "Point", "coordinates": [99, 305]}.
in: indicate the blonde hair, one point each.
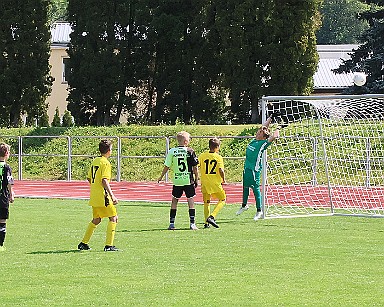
{"type": "Point", "coordinates": [4, 149]}
{"type": "Point", "coordinates": [182, 136]}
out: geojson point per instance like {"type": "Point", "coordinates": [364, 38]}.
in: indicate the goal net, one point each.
{"type": "Point", "coordinates": [329, 160]}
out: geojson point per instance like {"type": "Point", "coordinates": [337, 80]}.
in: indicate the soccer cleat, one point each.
{"type": "Point", "coordinates": [83, 247]}
{"type": "Point", "coordinates": [2, 248]}
{"type": "Point", "coordinates": [171, 226]}
{"type": "Point", "coordinates": [258, 215]}
{"type": "Point", "coordinates": [206, 225]}
{"type": "Point", "coordinates": [193, 227]}
{"type": "Point", "coordinates": [242, 209]}
{"type": "Point", "coordinates": [109, 248]}
{"type": "Point", "coordinates": [211, 220]}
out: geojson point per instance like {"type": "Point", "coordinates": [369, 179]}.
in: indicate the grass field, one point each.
{"type": "Point", "coordinates": [323, 261]}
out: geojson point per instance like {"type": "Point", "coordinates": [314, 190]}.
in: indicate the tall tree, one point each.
{"type": "Point", "coordinates": [293, 56]}
{"type": "Point", "coordinates": [58, 10]}
{"type": "Point", "coordinates": [268, 47]}
{"type": "Point", "coordinates": [24, 60]}
{"type": "Point", "coordinates": [184, 71]}
{"type": "Point", "coordinates": [106, 59]}
{"type": "Point", "coordinates": [369, 56]}
{"type": "Point", "coordinates": [339, 22]}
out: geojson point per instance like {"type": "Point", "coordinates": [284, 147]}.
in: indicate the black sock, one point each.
{"type": "Point", "coordinates": [192, 216]}
{"type": "Point", "coordinates": [172, 216]}
{"type": "Point", "coordinates": [2, 233]}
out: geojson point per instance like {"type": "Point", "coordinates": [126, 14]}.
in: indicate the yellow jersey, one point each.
{"type": "Point", "coordinates": [209, 165]}
{"type": "Point", "coordinates": [100, 169]}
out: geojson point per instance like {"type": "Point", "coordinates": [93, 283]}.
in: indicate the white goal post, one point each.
{"type": "Point", "coordinates": [330, 158]}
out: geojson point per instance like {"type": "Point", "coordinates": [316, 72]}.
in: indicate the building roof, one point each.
{"type": "Point", "coordinates": [60, 33]}
{"type": "Point", "coordinates": [331, 57]}
{"type": "Point", "coordinates": [324, 79]}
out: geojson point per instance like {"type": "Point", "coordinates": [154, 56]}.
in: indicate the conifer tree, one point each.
{"type": "Point", "coordinates": [369, 56]}
{"type": "Point", "coordinates": [24, 54]}
{"type": "Point", "coordinates": [67, 119]}
{"type": "Point", "coordinates": [56, 122]}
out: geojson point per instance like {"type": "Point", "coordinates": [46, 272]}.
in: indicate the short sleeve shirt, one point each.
{"type": "Point", "coordinates": [254, 154]}
{"type": "Point", "coordinates": [209, 165]}
{"type": "Point", "coordinates": [100, 169]}
{"type": "Point", "coordinates": [181, 161]}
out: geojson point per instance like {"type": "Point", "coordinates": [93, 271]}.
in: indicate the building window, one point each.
{"type": "Point", "coordinates": [66, 70]}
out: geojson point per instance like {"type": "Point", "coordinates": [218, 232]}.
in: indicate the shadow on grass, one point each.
{"type": "Point", "coordinates": [199, 225]}
{"type": "Point", "coordinates": [55, 252]}
{"type": "Point", "coordinates": [152, 230]}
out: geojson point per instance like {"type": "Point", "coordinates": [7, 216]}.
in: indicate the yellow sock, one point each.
{"type": "Point", "coordinates": [218, 207]}
{"type": "Point", "coordinates": [89, 232]}
{"type": "Point", "coordinates": [110, 233]}
{"type": "Point", "coordinates": [207, 211]}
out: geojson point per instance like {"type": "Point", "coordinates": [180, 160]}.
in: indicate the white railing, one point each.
{"type": "Point", "coordinates": [119, 157]}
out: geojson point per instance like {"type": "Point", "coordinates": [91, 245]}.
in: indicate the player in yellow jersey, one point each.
{"type": "Point", "coordinates": [212, 177]}
{"type": "Point", "coordinates": [101, 199]}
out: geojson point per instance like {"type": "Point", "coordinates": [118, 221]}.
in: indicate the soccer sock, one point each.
{"type": "Point", "coordinates": [89, 232]}
{"type": "Point", "coordinates": [218, 207]}
{"type": "Point", "coordinates": [192, 216]}
{"type": "Point", "coordinates": [110, 233]}
{"type": "Point", "coordinates": [245, 196]}
{"type": "Point", "coordinates": [257, 193]}
{"type": "Point", "coordinates": [2, 233]}
{"type": "Point", "coordinates": [172, 216]}
{"type": "Point", "coordinates": [207, 210]}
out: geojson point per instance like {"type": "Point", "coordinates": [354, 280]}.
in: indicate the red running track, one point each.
{"type": "Point", "coordinates": [286, 195]}
{"type": "Point", "coordinates": [124, 191]}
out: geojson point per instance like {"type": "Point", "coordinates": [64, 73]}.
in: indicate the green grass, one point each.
{"type": "Point", "coordinates": [323, 261]}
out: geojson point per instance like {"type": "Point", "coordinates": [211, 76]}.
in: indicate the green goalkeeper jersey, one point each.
{"type": "Point", "coordinates": [254, 154]}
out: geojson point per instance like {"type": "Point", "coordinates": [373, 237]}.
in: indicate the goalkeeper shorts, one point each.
{"type": "Point", "coordinates": [251, 178]}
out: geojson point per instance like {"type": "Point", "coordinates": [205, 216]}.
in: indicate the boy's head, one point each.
{"type": "Point", "coordinates": [214, 145]}
{"type": "Point", "coordinates": [105, 146]}
{"type": "Point", "coordinates": [5, 150]}
{"type": "Point", "coordinates": [263, 133]}
{"type": "Point", "coordinates": [183, 138]}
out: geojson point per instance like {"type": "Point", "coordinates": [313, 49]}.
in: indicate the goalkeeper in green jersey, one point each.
{"type": "Point", "coordinates": [101, 199]}
{"type": "Point", "coordinates": [183, 163]}
{"type": "Point", "coordinates": [212, 176]}
{"type": "Point", "coordinates": [253, 164]}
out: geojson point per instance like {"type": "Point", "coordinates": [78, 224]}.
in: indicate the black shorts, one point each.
{"type": "Point", "coordinates": [4, 213]}
{"type": "Point", "coordinates": [177, 191]}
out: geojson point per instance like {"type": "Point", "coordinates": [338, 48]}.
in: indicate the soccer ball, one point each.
{"type": "Point", "coordinates": [359, 78]}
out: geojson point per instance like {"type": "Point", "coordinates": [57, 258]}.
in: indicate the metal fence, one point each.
{"type": "Point", "coordinates": [70, 145]}
{"type": "Point", "coordinates": [23, 143]}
